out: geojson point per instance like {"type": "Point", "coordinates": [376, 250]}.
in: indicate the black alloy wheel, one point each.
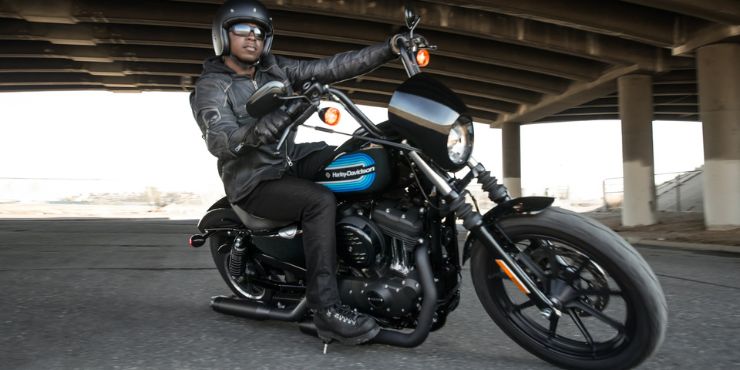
{"type": "Point", "coordinates": [613, 311]}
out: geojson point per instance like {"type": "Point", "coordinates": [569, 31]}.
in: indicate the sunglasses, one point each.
{"type": "Point", "coordinates": [243, 29]}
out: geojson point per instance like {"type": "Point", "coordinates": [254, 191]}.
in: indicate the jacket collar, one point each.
{"type": "Point", "coordinates": [215, 64]}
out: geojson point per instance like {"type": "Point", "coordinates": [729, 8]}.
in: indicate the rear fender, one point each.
{"type": "Point", "coordinates": [220, 215]}
{"type": "Point", "coordinates": [518, 207]}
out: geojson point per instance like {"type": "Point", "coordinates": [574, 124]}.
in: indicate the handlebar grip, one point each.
{"type": "Point", "coordinates": [292, 108]}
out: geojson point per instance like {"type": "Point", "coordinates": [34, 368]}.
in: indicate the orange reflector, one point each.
{"type": "Point", "coordinates": [330, 116]}
{"type": "Point", "coordinates": [422, 57]}
{"type": "Point", "coordinates": [512, 277]}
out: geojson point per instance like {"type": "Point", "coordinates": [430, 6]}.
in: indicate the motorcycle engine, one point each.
{"type": "Point", "coordinates": [378, 253]}
{"type": "Point", "coordinates": [360, 242]}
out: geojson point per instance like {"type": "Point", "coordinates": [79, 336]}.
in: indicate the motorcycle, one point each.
{"type": "Point", "coordinates": [534, 267]}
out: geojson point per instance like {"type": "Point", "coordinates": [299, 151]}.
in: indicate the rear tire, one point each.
{"type": "Point", "coordinates": [580, 256]}
{"type": "Point", "coordinates": [242, 289]}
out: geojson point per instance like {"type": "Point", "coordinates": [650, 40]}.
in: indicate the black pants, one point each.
{"type": "Point", "coordinates": [295, 197]}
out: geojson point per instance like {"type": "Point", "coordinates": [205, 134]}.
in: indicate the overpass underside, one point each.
{"type": "Point", "coordinates": [512, 62]}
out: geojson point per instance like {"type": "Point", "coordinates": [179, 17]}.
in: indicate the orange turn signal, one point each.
{"type": "Point", "coordinates": [422, 57]}
{"type": "Point", "coordinates": [330, 116]}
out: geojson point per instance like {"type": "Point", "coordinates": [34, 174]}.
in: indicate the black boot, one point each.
{"type": "Point", "coordinates": [345, 325]}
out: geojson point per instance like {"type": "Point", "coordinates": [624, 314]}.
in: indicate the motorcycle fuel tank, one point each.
{"type": "Point", "coordinates": [358, 172]}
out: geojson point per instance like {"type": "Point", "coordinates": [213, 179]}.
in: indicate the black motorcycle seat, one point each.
{"type": "Point", "coordinates": [257, 223]}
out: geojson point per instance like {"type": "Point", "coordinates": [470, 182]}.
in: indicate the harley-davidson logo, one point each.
{"type": "Point", "coordinates": [349, 173]}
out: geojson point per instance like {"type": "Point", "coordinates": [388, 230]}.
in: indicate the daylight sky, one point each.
{"type": "Point", "coordinates": [130, 141]}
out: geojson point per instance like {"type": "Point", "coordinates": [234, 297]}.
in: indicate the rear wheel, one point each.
{"type": "Point", "coordinates": [613, 309]}
{"type": "Point", "coordinates": [239, 285]}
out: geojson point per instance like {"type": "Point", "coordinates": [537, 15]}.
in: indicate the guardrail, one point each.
{"type": "Point", "coordinates": [613, 189]}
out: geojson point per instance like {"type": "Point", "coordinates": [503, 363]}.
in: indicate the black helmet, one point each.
{"type": "Point", "coordinates": [234, 11]}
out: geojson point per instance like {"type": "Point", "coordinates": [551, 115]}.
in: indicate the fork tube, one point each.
{"type": "Point", "coordinates": [473, 222]}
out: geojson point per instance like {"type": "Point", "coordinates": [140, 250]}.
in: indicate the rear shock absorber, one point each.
{"type": "Point", "coordinates": [237, 257]}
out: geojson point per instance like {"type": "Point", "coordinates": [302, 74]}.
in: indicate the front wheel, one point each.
{"type": "Point", "coordinates": [613, 310]}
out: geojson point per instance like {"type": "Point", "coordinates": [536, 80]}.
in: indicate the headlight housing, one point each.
{"type": "Point", "coordinates": [460, 142]}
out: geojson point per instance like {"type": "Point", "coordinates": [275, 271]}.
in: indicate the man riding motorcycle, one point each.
{"type": "Point", "coordinates": [259, 178]}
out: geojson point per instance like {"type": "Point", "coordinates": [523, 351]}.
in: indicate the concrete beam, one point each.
{"type": "Point", "coordinates": [675, 90]}
{"type": "Point", "coordinates": [488, 105]}
{"type": "Point", "coordinates": [110, 53]}
{"type": "Point", "coordinates": [372, 99]}
{"type": "Point", "coordinates": [80, 87]}
{"type": "Point", "coordinates": [723, 11]}
{"type": "Point", "coordinates": [499, 75]}
{"type": "Point", "coordinates": [39, 65]}
{"type": "Point", "coordinates": [657, 109]}
{"type": "Point", "coordinates": [657, 101]}
{"type": "Point", "coordinates": [31, 79]}
{"type": "Point", "coordinates": [482, 50]}
{"type": "Point", "coordinates": [708, 35]}
{"type": "Point", "coordinates": [148, 35]}
{"type": "Point", "coordinates": [466, 86]}
{"type": "Point", "coordinates": [510, 29]}
{"type": "Point", "coordinates": [103, 53]}
{"type": "Point", "coordinates": [90, 34]}
{"type": "Point", "coordinates": [577, 94]}
{"type": "Point", "coordinates": [40, 11]}
{"type": "Point", "coordinates": [335, 30]}
{"type": "Point", "coordinates": [683, 76]}
{"type": "Point", "coordinates": [628, 21]}
{"type": "Point", "coordinates": [615, 116]}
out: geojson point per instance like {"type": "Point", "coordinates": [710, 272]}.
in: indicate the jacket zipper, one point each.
{"type": "Point", "coordinates": [290, 163]}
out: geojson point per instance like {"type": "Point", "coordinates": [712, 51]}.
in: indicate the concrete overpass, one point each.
{"type": "Point", "coordinates": [513, 62]}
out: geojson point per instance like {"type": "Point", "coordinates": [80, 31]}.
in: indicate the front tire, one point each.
{"type": "Point", "coordinates": [614, 314]}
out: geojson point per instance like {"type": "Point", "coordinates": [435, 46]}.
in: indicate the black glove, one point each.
{"type": "Point", "coordinates": [270, 127]}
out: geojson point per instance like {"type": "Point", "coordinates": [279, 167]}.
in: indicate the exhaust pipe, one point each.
{"type": "Point", "coordinates": [424, 326]}
{"type": "Point", "coordinates": [257, 311]}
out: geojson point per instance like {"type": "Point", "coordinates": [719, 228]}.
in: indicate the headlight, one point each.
{"type": "Point", "coordinates": [460, 142]}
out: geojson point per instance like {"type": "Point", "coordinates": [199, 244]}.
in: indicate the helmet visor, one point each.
{"type": "Point", "coordinates": [244, 29]}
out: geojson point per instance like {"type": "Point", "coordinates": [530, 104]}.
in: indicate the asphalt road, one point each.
{"type": "Point", "coordinates": [129, 294]}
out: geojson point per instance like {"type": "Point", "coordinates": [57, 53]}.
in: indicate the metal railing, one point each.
{"type": "Point", "coordinates": [613, 188]}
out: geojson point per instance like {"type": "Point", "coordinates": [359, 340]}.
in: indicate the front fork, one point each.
{"type": "Point", "coordinates": [473, 222]}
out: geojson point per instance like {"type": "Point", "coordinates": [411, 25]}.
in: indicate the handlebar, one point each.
{"type": "Point", "coordinates": [313, 91]}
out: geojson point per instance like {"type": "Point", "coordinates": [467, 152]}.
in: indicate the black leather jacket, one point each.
{"type": "Point", "coordinates": [218, 102]}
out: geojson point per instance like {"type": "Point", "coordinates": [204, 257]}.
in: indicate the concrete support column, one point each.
{"type": "Point", "coordinates": [636, 113]}
{"type": "Point", "coordinates": [512, 158]}
{"type": "Point", "coordinates": [719, 107]}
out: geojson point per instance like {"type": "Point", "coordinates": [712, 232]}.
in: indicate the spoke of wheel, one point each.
{"type": "Point", "coordinates": [582, 263]}
{"type": "Point", "coordinates": [521, 306]}
{"type": "Point", "coordinates": [599, 292]}
{"type": "Point", "coordinates": [582, 328]}
{"type": "Point", "coordinates": [554, 319]}
{"type": "Point", "coordinates": [599, 315]}
{"type": "Point", "coordinates": [533, 244]}
{"type": "Point", "coordinates": [553, 259]}
{"type": "Point", "coordinates": [531, 265]}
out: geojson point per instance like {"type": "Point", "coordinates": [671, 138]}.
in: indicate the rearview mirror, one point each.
{"type": "Point", "coordinates": [266, 99]}
{"type": "Point", "coordinates": [410, 14]}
